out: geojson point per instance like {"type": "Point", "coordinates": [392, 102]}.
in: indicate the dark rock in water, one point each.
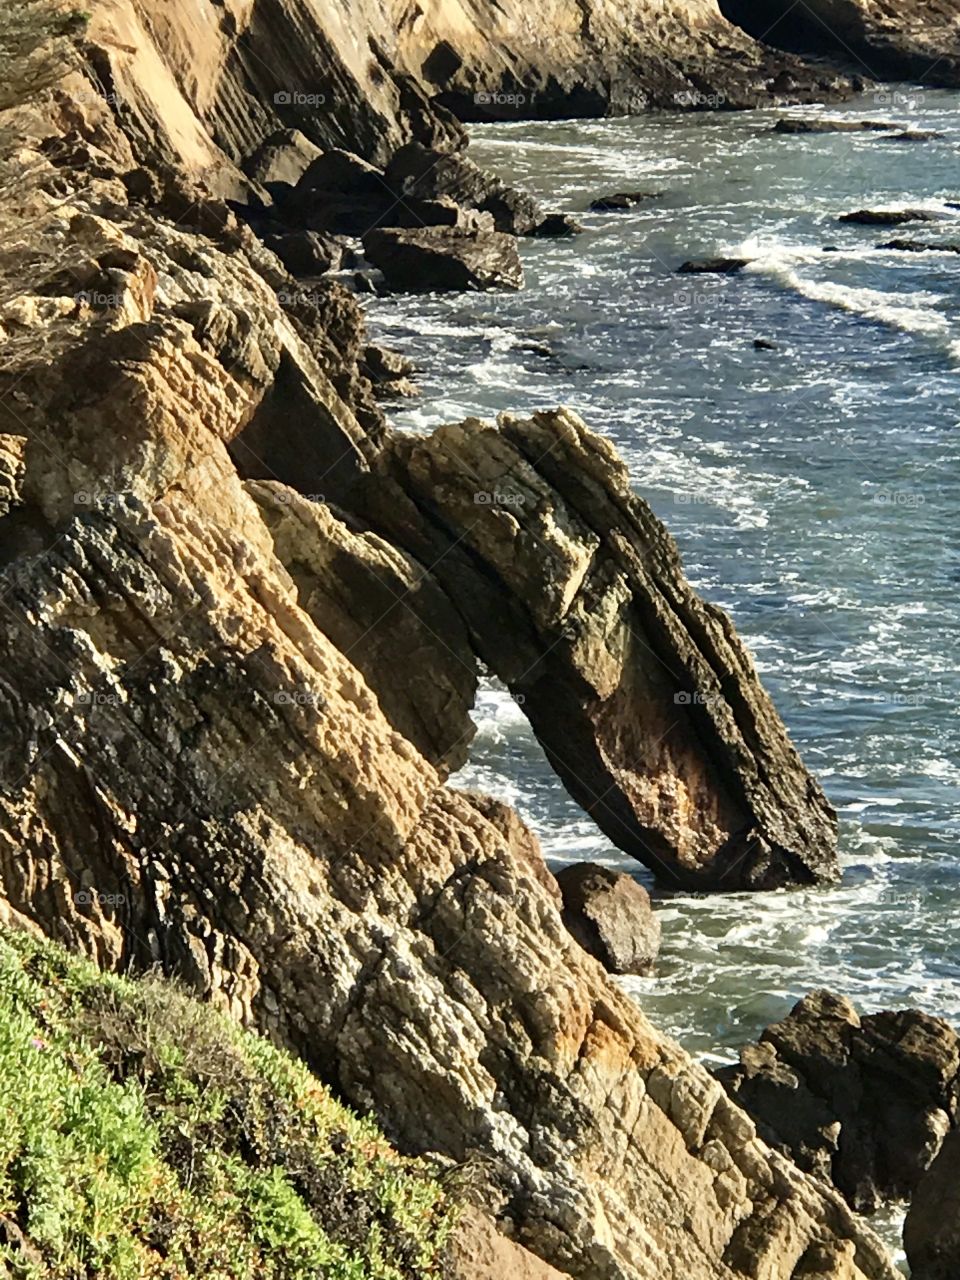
{"type": "Point", "coordinates": [794, 126]}
{"type": "Point", "coordinates": [864, 1102]}
{"type": "Point", "coordinates": [422, 173]}
{"type": "Point", "coordinates": [641, 694]}
{"type": "Point", "coordinates": [610, 915]}
{"type": "Point", "coordinates": [831, 248]}
{"type": "Point", "coordinates": [714, 266]}
{"type": "Point", "coordinates": [283, 158]}
{"type": "Point", "coordinates": [931, 1233]}
{"type": "Point", "coordinates": [916, 135]}
{"type": "Point", "coordinates": [558, 226]}
{"type": "Point", "coordinates": [390, 372]}
{"type": "Point", "coordinates": [444, 259]}
{"type": "Point", "coordinates": [922, 246]}
{"type": "Point", "coordinates": [764, 344]}
{"type": "Point", "coordinates": [622, 201]}
{"type": "Point", "coordinates": [887, 217]}
{"type": "Point", "coordinates": [306, 253]}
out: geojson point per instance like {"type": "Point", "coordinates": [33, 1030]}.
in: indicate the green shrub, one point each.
{"type": "Point", "coordinates": [142, 1135]}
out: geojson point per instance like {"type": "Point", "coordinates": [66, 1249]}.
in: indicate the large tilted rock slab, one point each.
{"type": "Point", "coordinates": [195, 774]}
{"type": "Point", "coordinates": [646, 702]}
{"type": "Point", "coordinates": [864, 1102]}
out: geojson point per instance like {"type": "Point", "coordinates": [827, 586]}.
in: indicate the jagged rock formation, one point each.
{"type": "Point", "coordinates": [931, 1232]}
{"type": "Point", "coordinates": [203, 84]}
{"type": "Point", "coordinates": [865, 1102]}
{"type": "Point", "coordinates": [881, 39]}
{"type": "Point", "coordinates": [644, 699]}
{"type": "Point", "coordinates": [205, 767]}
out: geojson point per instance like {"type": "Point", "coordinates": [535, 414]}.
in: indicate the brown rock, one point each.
{"type": "Point", "coordinates": [428, 174]}
{"type": "Point", "coordinates": [931, 1233]}
{"type": "Point", "coordinates": [442, 259]}
{"type": "Point", "coordinates": [888, 217]}
{"type": "Point", "coordinates": [479, 1252]}
{"type": "Point", "coordinates": [610, 915]}
{"type": "Point", "coordinates": [283, 157]}
{"type": "Point", "coordinates": [864, 1102]}
{"type": "Point", "coordinates": [645, 701]}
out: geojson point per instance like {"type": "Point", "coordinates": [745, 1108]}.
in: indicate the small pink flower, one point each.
{"type": "Point", "coordinates": [38, 1042]}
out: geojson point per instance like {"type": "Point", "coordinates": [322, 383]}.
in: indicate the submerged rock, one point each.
{"type": "Point", "coordinates": [931, 1232]}
{"type": "Point", "coordinates": [610, 915]}
{"type": "Point", "coordinates": [864, 1102]}
{"type": "Point", "coordinates": [644, 699]}
{"type": "Point", "coordinates": [713, 266]}
{"type": "Point", "coordinates": [888, 217]}
{"type": "Point", "coordinates": [922, 246]}
{"type": "Point", "coordinates": [793, 126]}
{"type": "Point", "coordinates": [444, 259]}
{"type": "Point", "coordinates": [622, 201]}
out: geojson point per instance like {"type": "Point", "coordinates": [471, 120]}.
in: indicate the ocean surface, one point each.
{"type": "Point", "coordinates": [814, 491]}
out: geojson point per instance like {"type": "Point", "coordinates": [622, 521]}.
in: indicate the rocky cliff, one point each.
{"type": "Point", "coordinates": [231, 703]}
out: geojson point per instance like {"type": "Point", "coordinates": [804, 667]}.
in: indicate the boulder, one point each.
{"type": "Point", "coordinates": [888, 217]}
{"type": "Point", "coordinates": [557, 226]}
{"type": "Point", "coordinates": [390, 372]}
{"type": "Point", "coordinates": [713, 266]}
{"type": "Point", "coordinates": [622, 201]}
{"type": "Point", "coordinates": [444, 259]}
{"type": "Point", "coordinates": [306, 253]}
{"type": "Point", "coordinates": [282, 157]}
{"type": "Point", "coordinates": [916, 135]}
{"type": "Point", "coordinates": [610, 915]}
{"type": "Point", "coordinates": [792, 126]}
{"type": "Point", "coordinates": [931, 1232]}
{"type": "Point", "coordinates": [864, 1102]}
{"type": "Point", "coordinates": [764, 344]}
{"type": "Point", "coordinates": [423, 173]}
{"type": "Point", "coordinates": [646, 702]}
{"type": "Point", "coordinates": [479, 1252]}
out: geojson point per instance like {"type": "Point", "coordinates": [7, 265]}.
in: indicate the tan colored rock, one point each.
{"type": "Point", "coordinates": [479, 1252]}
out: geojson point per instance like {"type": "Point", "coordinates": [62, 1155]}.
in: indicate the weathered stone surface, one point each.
{"type": "Point", "coordinates": [384, 612]}
{"type": "Point", "coordinates": [390, 373]}
{"type": "Point", "coordinates": [644, 699]}
{"type": "Point", "coordinates": [306, 253]}
{"type": "Point", "coordinates": [931, 1232]}
{"type": "Point", "coordinates": [610, 915]}
{"type": "Point", "coordinates": [283, 157]}
{"type": "Point", "coordinates": [479, 1252]}
{"type": "Point", "coordinates": [428, 174]}
{"type": "Point", "coordinates": [882, 39]}
{"type": "Point", "coordinates": [863, 1102]}
{"type": "Point", "coordinates": [444, 259]}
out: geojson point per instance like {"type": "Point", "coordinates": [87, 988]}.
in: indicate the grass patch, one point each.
{"type": "Point", "coordinates": [143, 1135]}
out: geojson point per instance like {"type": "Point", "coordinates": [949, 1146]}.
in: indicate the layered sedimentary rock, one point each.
{"type": "Point", "coordinates": [644, 699]}
{"type": "Point", "coordinates": [882, 39]}
{"type": "Point", "coordinates": [865, 1102]}
{"type": "Point", "coordinates": [931, 1232]}
{"type": "Point", "coordinates": [204, 767]}
{"type": "Point", "coordinates": [205, 83]}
